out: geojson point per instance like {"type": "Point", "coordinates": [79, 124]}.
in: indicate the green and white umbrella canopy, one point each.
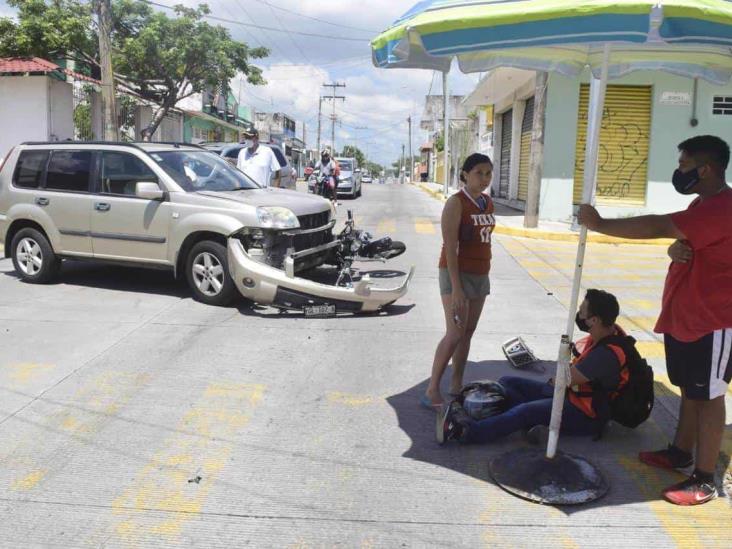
{"type": "Point", "coordinates": [685, 37]}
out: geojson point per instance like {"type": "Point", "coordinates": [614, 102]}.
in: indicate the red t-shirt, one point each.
{"type": "Point", "coordinates": [697, 296]}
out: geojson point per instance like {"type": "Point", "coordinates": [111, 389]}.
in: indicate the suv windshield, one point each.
{"type": "Point", "coordinates": [202, 171]}
{"type": "Point", "coordinates": [346, 165]}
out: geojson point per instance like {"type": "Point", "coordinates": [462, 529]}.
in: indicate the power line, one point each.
{"type": "Point", "coordinates": [260, 27]}
{"type": "Point", "coordinates": [293, 12]}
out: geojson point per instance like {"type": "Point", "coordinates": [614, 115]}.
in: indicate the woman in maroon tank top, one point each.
{"type": "Point", "coordinates": [467, 226]}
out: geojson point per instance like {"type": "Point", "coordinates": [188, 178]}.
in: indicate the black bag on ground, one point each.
{"type": "Point", "coordinates": [633, 403]}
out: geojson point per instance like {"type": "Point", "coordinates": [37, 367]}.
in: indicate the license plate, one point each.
{"type": "Point", "coordinates": [320, 310]}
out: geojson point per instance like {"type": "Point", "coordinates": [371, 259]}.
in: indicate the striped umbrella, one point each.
{"type": "Point", "coordinates": [687, 37]}
{"type": "Point", "coordinates": [690, 38]}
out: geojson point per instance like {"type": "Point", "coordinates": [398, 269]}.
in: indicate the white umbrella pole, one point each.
{"type": "Point", "coordinates": [446, 130]}
{"type": "Point", "coordinates": [598, 88]}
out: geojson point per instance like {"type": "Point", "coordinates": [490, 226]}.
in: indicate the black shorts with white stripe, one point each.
{"type": "Point", "coordinates": [703, 368]}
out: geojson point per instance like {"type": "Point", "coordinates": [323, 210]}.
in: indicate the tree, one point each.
{"type": "Point", "coordinates": [349, 151]}
{"type": "Point", "coordinates": [167, 59]}
{"type": "Point", "coordinates": [51, 30]}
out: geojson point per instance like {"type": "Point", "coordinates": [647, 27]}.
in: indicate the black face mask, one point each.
{"type": "Point", "coordinates": [581, 323]}
{"type": "Point", "coordinates": [685, 182]}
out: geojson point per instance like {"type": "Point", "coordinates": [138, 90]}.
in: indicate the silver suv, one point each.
{"type": "Point", "coordinates": [170, 206]}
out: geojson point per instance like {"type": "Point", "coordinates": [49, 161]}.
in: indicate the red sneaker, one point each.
{"type": "Point", "coordinates": [668, 458]}
{"type": "Point", "coordinates": [692, 491]}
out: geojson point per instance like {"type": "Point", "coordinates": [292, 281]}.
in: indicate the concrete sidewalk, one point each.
{"type": "Point", "coordinates": [510, 221]}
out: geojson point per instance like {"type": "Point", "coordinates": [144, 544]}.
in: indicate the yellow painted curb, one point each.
{"type": "Point", "coordinates": [566, 237]}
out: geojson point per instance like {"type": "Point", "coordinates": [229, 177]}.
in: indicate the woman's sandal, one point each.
{"type": "Point", "coordinates": [426, 402]}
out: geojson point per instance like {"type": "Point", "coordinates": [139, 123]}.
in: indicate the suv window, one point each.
{"type": "Point", "coordinates": [29, 170]}
{"type": "Point", "coordinates": [69, 171]}
{"type": "Point", "coordinates": [121, 171]}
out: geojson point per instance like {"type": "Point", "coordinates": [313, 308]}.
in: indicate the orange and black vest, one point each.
{"type": "Point", "coordinates": [474, 235]}
{"type": "Point", "coordinates": [583, 396]}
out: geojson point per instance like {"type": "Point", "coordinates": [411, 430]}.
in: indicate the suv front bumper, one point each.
{"type": "Point", "coordinates": [269, 286]}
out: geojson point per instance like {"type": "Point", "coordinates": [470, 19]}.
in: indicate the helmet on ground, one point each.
{"type": "Point", "coordinates": [483, 399]}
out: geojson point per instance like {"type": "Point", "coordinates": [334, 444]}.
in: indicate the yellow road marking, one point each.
{"type": "Point", "coordinates": [29, 481]}
{"type": "Point", "coordinates": [650, 349]}
{"type": "Point", "coordinates": [350, 399]}
{"type": "Point", "coordinates": [199, 449]}
{"type": "Point", "coordinates": [386, 226]}
{"type": "Point", "coordinates": [645, 304]}
{"type": "Point", "coordinates": [28, 371]}
{"type": "Point", "coordinates": [93, 406]}
{"type": "Point", "coordinates": [424, 226]}
{"type": "Point", "coordinates": [688, 527]}
{"type": "Point", "coordinates": [646, 323]}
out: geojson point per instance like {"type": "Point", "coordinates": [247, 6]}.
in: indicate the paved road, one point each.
{"type": "Point", "coordinates": [132, 416]}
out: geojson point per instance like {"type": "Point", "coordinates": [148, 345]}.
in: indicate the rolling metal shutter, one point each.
{"type": "Point", "coordinates": [526, 126]}
{"type": "Point", "coordinates": [505, 172]}
{"type": "Point", "coordinates": [622, 172]}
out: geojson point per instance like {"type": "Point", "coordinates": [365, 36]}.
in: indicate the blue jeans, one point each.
{"type": "Point", "coordinates": [530, 403]}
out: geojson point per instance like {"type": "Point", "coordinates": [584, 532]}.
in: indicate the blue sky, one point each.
{"type": "Point", "coordinates": [379, 101]}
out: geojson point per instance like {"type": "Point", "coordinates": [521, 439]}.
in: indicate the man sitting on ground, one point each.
{"type": "Point", "coordinates": [529, 402]}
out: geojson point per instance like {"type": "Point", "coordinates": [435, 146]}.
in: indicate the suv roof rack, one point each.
{"type": "Point", "coordinates": [70, 142]}
{"type": "Point", "coordinates": [122, 143]}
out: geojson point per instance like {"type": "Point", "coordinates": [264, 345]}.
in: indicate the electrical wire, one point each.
{"type": "Point", "coordinates": [261, 27]}
{"type": "Point", "coordinates": [293, 12]}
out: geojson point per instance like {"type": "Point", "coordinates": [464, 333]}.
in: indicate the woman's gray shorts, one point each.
{"type": "Point", "coordinates": [475, 286]}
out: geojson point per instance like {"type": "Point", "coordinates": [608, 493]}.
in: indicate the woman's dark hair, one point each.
{"type": "Point", "coordinates": [472, 161]}
{"type": "Point", "coordinates": [604, 305]}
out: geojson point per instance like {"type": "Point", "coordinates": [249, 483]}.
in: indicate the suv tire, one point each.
{"type": "Point", "coordinates": [207, 272]}
{"type": "Point", "coordinates": [33, 257]}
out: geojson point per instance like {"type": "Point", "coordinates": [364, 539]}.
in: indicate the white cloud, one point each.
{"type": "Point", "coordinates": [379, 100]}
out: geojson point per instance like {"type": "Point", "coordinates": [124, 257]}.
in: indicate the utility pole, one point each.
{"type": "Point", "coordinates": [109, 107]}
{"type": "Point", "coordinates": [411, 157]}
{"type": "Point", "coordinates": [402, 169]}
{"type": "Point", "coordinates": [320, 116]}
{"type": "Point", "coordinates": [536, 158]}
{"type": "Point", "coordinates": [334, 85]}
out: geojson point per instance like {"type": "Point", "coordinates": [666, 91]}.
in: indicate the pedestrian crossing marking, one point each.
{"type": "Point", "coordinates": [424, 226]}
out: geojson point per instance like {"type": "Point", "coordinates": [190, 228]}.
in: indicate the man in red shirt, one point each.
{"type": "Point", "coordinates": [696, 314]}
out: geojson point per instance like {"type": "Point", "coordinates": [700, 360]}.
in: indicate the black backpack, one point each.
{"type": "Point", "coordinates": [633, 403]}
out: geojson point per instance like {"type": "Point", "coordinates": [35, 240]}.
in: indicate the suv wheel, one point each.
{"type": "Point", "coordinates": [207, 271]}
{"type": "Point", "coordinates": [33, 257]}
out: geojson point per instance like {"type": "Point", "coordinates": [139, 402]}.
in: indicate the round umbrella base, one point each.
{"type": "Point", "coordinates": [564, 480]}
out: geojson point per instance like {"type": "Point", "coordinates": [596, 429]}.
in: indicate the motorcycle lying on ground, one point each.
{"type": "Point", "coordinates": [359, 245]}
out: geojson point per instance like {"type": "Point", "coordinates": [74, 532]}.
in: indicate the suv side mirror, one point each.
{"type": "Point", "coordinates": [148, 190]}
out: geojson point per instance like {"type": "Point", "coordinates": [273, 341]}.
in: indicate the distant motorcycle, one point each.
{"type": "Point", "coordinates": [359, 245]}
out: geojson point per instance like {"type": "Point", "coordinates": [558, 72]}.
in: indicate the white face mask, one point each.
{"type": "Point", "coordinates": [248, 143]}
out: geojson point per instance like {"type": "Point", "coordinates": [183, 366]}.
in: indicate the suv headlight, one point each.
{"type": "Point", "coordinates": [276, 217]}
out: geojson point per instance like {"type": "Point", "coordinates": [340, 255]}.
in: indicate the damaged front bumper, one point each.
{"type": "Point", "coordinates": [267, 285]}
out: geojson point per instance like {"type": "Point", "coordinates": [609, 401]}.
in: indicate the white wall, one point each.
{"type": "Point", "coordinates": [61, 110]}
{"type": "Point", "coordinates": [23, 111]}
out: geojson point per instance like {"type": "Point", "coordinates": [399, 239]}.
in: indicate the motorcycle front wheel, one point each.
{"type": "Point", "coordinates": [397, 248]}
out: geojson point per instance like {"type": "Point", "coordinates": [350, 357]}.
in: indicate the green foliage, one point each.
{"type": "Point", "coordinates": [373, 168]}
{"type": "Point", "coordinates": [166, 59]}
{"type": "Point", "coordinates": [82, 121]}
{"type": "Point", "coordinates": [51, 29]}
{"type": "Point", "coordinates": [349, 151]}
{"type": "Point", "coordinates": [440, 143]}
